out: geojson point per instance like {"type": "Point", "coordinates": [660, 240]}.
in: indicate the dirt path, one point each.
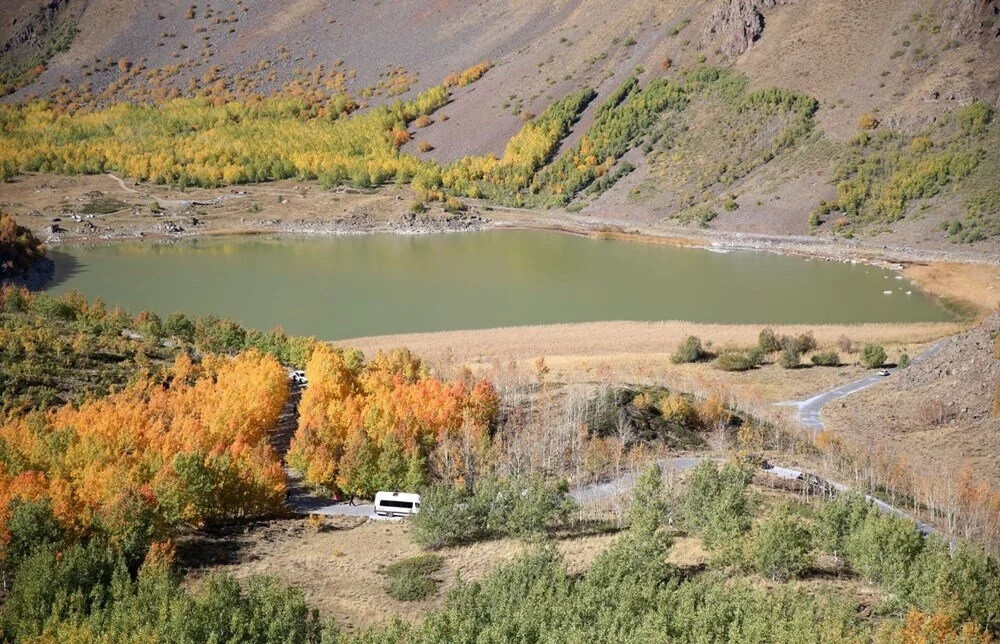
{"type": "Point", "coordinates": [299, 498]}
{"type": "Point", "coordinates": [177, 203]}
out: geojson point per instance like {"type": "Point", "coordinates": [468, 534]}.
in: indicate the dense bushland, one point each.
{"type": "Point", "coordinates": [918, 573]}
{"type": "Point", "coordinates": [88, 593]}
{"type": "Point", "coordinates": [193, 141]}
{"type": "Point", "coordinates": [630, 593]}
{"type": "Point", "coordinates": [387, 424]}
{"type": "Point", "coordinates": [55, 350]}
{"type": "Point", "coordinates": [494, 507]}
{"type": "Point", "coordinates": [885, 172]}
{"type": "Point", "coordinates": [19, 249]}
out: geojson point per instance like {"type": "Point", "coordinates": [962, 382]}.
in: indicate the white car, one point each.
{"type": "Point", "coordinates": [883, 372]}
{"type": "Point", "coordinates": [298, 377]}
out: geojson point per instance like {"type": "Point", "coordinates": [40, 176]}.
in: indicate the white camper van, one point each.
{"type": "Point", "coordinates": [396, 504]}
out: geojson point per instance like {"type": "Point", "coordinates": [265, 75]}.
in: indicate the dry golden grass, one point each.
{"type": "Point", "coordinates": [620, 235]}
{"type": "Point", "coordinates": [688, 552]}
{"type": "Point", "coordinates": [624, 338]}
{"type": "Point", "coordinates": [890, 422]}
{"type": "Point", "coordinates": [338, 569]}
{"type": "Point", "coordinates": [978, 284]}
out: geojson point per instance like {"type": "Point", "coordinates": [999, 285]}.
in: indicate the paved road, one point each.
{"type": "Point", "coordinates": [598, 491]}
{"type": "Point", "coordinates": [809, 410]}
{"type": "Point", "coordinates": [301, 501]}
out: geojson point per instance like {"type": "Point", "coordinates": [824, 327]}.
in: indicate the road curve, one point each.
{"type": "Point", "coordinates": [301, 501]}
{"type": "Point", "coordinates": [809, 409]}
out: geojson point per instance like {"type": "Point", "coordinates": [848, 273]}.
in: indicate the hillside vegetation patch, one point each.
{"type": "Point", "coordinates": [883, 174]}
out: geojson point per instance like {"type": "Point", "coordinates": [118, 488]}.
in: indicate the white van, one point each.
{"type": "Point", "coordinates": [396, 504]}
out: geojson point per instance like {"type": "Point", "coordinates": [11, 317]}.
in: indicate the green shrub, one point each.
{"type": "Point", "coordinates": [838, 518]}
{"type": "Point", "coordinates": [981, 220]}
{"type": "Point", "coordinates": [178, 325]}
{"type": "Point", "coordinates": [826, 359]}
{"type": "Point", "coordinates": [48, 577]}
{"type": "Point", "coordinates": [714, 505]}
{"type": "Point", "coordinates": [32, 527]}
{"type": "Point", "coordinates": [883, 549]}
{"type": "Point", "coordinates": [734, 361]}
{"type": "Point", "coordinates": [648, 508]}
{"type": "Point", "coordinates": [904, 361]}
{"type": "Point", "coordinates": [873, 356]}
{"type": "Point", "coordinates": [446, 517]}
{"type": "Point", "coordinates": [700, 214]}
{"type": "Point", "coordinates": [496, 507]}
{"type": "Point", "coordinates": [974, 117]}
{"type": "Point", "coordinates": [410, 580]}
{"type": "Point", "coordinates": [52, 308]}
{"type": "Point", "coordinates": [756, 356]}
{"type": "Point", "coordinates": [802, 343]}
{"type": "Point", "coordinates": [790, 358]}
{"type": "Point", "coordinates": [768, 341]}
{"type": "Point", "coordinates": [689, 351]}
{"type": "Point", "coordinates": [780, 546]}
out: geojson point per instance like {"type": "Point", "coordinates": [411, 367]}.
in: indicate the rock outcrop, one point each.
{"type": "Point", "coordinates": [970, 18]}
{"type": "Point", "coordinates": [31, 27]}
{"type": "Point", "coordinates": [737, 24]}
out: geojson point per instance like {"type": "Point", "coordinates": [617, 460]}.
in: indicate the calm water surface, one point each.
{"type": "Point", "coordinates": [342, 287]}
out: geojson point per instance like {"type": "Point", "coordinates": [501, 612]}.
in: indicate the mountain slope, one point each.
{"type": "Point", "coordinates": [905, 65]}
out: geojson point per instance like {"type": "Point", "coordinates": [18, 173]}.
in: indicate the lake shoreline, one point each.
{"type": "Point", "coordinates": [481, 218]}
{"type": "Point", "coordinates": [58, 210]}
{"type": "Point", "coordinates": [918, 265]}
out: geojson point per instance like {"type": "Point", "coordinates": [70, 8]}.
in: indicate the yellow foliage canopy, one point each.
{"type": "Point", "coordinates": [387, 424]}
{"type": "Point", "coordinates": [192, 445]}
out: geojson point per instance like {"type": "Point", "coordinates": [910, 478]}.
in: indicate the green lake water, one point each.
{"type": "Point", "coordinates": [343, 287]}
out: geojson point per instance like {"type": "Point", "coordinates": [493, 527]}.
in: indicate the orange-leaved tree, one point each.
{"type": "Point", "coordinates": [388, 424]}
{"type": "Point", "coordinates": [184, 447]}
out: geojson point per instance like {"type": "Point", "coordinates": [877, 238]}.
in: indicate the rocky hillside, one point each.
{"type": "Point", "coordinates": [940, 413]}
{"type": "Point", "coordinates": [884, 71]}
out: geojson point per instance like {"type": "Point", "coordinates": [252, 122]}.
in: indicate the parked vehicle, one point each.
{"type": "Point", "coordinates": [883, 372]}
{"type": "Point", "coordinates": [299, 377]}
{"type": "Point", "coordinates": [396, 504]}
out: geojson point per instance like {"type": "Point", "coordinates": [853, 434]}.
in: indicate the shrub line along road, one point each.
{"type": "Point", "coordinates": [809, 410]}
{"type": "Point", "coordinates": [301, 501]}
